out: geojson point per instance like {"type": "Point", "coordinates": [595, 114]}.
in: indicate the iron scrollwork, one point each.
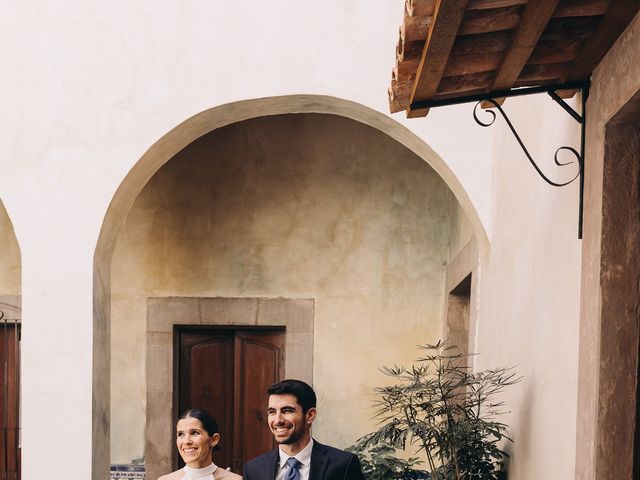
{"type": "Point", "coordinates": [573, 151]}
{"type": "Point", "coordinates": [551, 90]}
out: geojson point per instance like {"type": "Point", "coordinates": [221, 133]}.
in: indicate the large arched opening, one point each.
{"type": "Point", "coordinates": [311, 216]}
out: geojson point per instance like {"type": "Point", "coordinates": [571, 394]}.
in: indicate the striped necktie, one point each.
{"type": "Point", "coordinates": [293, 473]}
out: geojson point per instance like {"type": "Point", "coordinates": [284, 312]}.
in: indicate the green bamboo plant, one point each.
{"type": "Point", "coordinates": [447, 411]}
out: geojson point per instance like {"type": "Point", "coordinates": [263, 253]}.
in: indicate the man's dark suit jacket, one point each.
{"type": "Point", "coordinates": [327, 463]}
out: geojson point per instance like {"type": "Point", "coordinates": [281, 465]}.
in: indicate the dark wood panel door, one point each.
{"type": "Point", "coordinates": [9, 401]}
{"type": "Point", "coordinates": [260, 362]}
{"type": "Point", "coordinates": [206, 381]}
{"type": "Point", "coordinates": [226, 372]}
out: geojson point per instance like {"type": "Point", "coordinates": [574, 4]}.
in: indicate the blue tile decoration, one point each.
{"type": "Point", "coordinates": [127, 472]}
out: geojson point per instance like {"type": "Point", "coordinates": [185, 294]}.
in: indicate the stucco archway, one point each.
{"type": "Point", "coordinates": [172, 143]}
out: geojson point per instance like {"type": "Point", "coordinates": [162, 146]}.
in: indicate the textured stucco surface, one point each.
{"type": "Point", "coordinates": [461, 232]}
{"type": "Point", "coordinates": [294, 206]}
{"type": "Point", "coordinates": [529, 289]}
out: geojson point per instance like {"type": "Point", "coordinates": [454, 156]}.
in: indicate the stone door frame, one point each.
{"type": "Point", "coordinates": [163, 313]}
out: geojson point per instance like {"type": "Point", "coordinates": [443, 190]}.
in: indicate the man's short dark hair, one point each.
{"type": "Point", "coordinates": [303, 392]}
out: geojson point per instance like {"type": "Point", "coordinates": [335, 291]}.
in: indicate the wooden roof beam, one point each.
{"type": "Point", "coordinates": [582, 8]}
{"type": "Point", "coordinates": [446, 19]}
{"type": "Point", "coordinates": [485, 21]}
{"type": "Point", "coordinates": [567, 8]}
{"type": "Point", "coordinates": [489, 4]}
{"type": "Point", "coordinates": [534, 20]}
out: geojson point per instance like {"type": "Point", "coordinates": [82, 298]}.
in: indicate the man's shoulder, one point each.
{"type": "Point", "coordinates": [321, 448]}
{"type": "Point", "coordinates": [339, 464]}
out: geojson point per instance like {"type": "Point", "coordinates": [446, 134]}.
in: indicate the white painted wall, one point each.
{"type": "Point", "coordinates": [89, 86]}
{"type": "Point", "coordinates": [530, 288]}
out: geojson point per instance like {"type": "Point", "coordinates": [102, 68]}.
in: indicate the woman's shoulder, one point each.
{"type": "Point", "coordinates": [222, 474]}
{"type": "Point", "coordinates": [177, 475]}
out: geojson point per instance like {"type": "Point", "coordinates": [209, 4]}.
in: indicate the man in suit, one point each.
{"type": "Point", "coordinates": [292, 410]}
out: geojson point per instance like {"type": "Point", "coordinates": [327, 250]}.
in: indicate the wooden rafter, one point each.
{"type": "Point", "coordinates": [542, 73]}
{"type": "Point", "coordinates": [582, 8]}
{"type": "Point", "coordinates": [475, 22]}
{"type": "Point", "coordinates": [535, 17]}
{"type": "Point", "coordinates": [444, 26]}
{"type": "Point", "coordinates": [490, 4]}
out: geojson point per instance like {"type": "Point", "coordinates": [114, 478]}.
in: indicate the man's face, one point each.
{"type": "Point", "coordinates": [289, 425]}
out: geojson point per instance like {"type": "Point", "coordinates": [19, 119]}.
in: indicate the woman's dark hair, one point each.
{"type": "Point", "coordinates": [208, 422]}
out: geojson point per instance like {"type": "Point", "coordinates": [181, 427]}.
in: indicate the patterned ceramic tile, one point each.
{"type": "Point", "coordinates": [127, 472]}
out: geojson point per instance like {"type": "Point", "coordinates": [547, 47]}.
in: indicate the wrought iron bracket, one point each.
{"type": "Point", "coordinates": [552, 91]}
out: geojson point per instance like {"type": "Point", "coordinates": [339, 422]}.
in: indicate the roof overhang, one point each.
{"type": "Point", "coordinates": [452, 51]}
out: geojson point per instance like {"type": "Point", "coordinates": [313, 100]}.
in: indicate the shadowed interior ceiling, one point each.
{"type": "Point", "coordinates": [452, 49]}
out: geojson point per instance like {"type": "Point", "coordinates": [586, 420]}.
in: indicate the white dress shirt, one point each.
{"type": "Point", "coordinates": [303, 456]}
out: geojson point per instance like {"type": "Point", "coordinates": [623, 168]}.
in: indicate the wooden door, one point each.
{"type": "Point", "coordinates": [9, 401]}
{"type": "Point", "coordinates": [227, 372]}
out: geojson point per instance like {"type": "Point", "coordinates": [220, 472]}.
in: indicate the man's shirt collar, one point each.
{"type": "Point", "coordinates": [303, 456]}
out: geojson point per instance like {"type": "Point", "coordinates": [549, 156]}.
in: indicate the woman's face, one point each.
{"type": "Point", "coordinates": [194, 443]}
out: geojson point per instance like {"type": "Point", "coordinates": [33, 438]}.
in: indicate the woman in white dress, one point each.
{"type": "Point", "coordinates": [196, 435]}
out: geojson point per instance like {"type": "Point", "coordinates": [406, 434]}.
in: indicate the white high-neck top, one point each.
{"type": "Point", "coordinates": [205, 473]}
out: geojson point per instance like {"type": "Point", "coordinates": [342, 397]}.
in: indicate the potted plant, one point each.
{"type": "Point", "coordinates": [447, 411]}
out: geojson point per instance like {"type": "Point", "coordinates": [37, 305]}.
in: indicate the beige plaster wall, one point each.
{"type": "Point", "coordinates": [530, 288]}
{"type": "Point", "coordinates": [461, 231]}
{"type": "Point", "coordinates": [9, 256]}
{"type": "Point", "coordinates": [295, 206]}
